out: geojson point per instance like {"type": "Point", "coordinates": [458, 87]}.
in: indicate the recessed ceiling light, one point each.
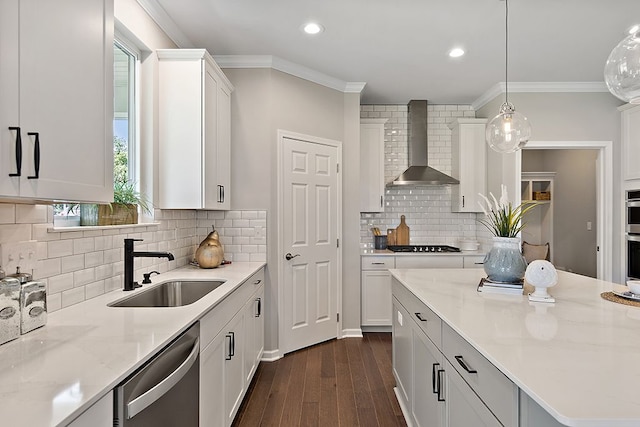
{"type": "Point", "coordinates": [456, 53]}
{"type": "Point", "coordinates": [312, 28]}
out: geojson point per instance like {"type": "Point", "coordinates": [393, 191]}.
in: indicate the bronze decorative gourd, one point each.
{"type": "Point", "coordinates": [210, 253]}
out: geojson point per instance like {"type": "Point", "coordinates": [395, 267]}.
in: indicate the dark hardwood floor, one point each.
{"type": "Point", "coordinates": [345, 382]}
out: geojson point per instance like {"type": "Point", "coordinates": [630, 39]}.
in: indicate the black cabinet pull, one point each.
{"type": "Point", "coordinates": [462, 363]}
{"type": "Point", "coordinates": [233, 344]}
{"type": "Point", "coordinates": [433, 378]}
{"type": "Point", "coordinates": [228, 356]}
{"type": "Point", "coordinates": [419, 316]}
{"type": "Point", "coordinates": [220, 193]}
{"type": "Point", "coordinates": [440, 398]}
{"type": "Point", "coordinates": [223, 194]}
{"type": "Point", "coordinates": [36, 155]}
{"type": "Point", "coordinates": [259, 307]}
{"type": "Point", "coordinates": [257, 282]}
{"type": "Point", "coordinates": [380, 201]}
{"type": "Point", "coordinates": [463, 201]}
{"type": "Point", "coordinates": [18, 151]}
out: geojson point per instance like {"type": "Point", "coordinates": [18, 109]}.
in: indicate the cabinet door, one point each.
{"type": "Point", "coordinates": [376, 298]}
{"type": "Point", "coordinates": [463, 407]}
{"type": "Point", "coordinates": [212, 386]}
{"type": "Point", "coordinates": [468, 164]}
{"type": "Point", "coordinates": [254, 333]}
{"type": "Point", "coordinates": [223, 148]}
{"type": "Point", "coordinates": [234, 383]}
{"type": "Point", "coordinates": [631, 142]}
{"type": "Point", "coordinates": [100, 414]}
{"type": "Point", "coordinates": [427, 409]}
{"type": "Point", "coordinates": [402, 353]}
{"type": "Point", "coordinates": [66, 97]}
{"type": "Point", "coordinates": [372, 165]}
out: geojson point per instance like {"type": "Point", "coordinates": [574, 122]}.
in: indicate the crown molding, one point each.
{"type": "Point", "coordinates": [538, 87]}
{"type": "Point", "coordinates": [276, 63]}
{"type": "Point", "coordinates": [164, 21]}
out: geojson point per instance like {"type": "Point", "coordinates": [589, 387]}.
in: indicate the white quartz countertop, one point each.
{"type": "Point", "coordinates": [578, 358]}
{"type": "Point", "coordinates": [51, 375]}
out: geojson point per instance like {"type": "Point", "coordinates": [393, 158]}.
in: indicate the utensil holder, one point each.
{"type": "Point", "coordinates": [380, 242]}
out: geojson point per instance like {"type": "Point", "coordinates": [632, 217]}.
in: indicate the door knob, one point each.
{"type": "Point", "coordinates": [289, 257]}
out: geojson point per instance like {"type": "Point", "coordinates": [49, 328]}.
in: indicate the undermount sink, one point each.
{"type": "Point", "coordinates": [170, 294]}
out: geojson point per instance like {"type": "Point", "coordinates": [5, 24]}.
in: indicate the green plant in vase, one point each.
{"type": "Point", "coordinates": [504, 263]}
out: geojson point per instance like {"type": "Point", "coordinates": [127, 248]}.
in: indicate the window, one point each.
{"type": "Point", "coordinates": [125, 131]}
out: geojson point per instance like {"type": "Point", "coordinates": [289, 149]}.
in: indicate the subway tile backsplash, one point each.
{"type": "Point", "coordinates": [77, 265]}
{"type": "Point", "coordinates": [427, 209]}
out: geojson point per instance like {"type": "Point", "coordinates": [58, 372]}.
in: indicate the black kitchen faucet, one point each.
{"type": "Point", "coordinates": [129, 255]}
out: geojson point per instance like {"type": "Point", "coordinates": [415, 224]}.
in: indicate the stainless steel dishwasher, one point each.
{"type": "Point", "coordinates": [165, 391]}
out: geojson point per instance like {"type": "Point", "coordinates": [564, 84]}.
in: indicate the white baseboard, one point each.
{"type": "Point", "coordinates": [271, 355]}
{"type": "Point", "coordinates": [376, 328]}
{"type": "Point", "coordinates": [352, 333]}
{"type": "Point", "coordinates": [403, 407]}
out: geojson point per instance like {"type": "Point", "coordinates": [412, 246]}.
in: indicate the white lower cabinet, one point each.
{"type": "Point", "coordinates": [229, 360]}
{"type": "Point", "coordinates": [463, 407]}
{"type": "Point", "coordinates": [375, 295]}
{"type": "Point", "coordinates": [441, 380]}
{"type": "Point", "coordinates": [100, 414]}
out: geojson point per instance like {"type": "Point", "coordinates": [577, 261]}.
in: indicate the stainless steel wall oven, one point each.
{"type": "Point", "coordinates": [632, 230]}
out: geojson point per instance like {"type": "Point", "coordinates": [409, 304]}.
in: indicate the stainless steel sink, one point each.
{"type": "Point", "coordinates": [170, 294]}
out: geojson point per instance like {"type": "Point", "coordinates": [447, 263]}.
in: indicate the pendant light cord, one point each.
{"type": "Point", "coordinates": [506, 51]}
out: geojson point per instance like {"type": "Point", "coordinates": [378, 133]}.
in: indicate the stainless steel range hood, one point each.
{"type": "Point", "coordinates": [419, 173]}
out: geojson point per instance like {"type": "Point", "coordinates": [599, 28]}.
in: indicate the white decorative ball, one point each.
{"type": "Point", "coordinates": [541, 274]}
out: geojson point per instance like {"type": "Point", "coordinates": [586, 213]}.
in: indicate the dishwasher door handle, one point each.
{"type": "Point", "coordinates": [141, 402]}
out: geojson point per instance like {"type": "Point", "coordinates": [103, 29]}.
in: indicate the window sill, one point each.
{"type": "Point", "coordinates": [100, 227]}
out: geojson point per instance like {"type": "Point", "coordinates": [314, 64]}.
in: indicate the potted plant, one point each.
{"type": "Point", "coordinates": [124, 209]}
{"type": "Point", "coordinates": [504, 263]}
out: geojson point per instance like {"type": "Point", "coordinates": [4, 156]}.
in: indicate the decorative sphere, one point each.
{"type": "Point", "coordinates": [509, 131]}
{"type": "Point", "coordinates": [541, 274]}
{"type": "Point", "coordinates": [622, 69]}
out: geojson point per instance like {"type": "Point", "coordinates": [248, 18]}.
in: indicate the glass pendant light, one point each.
{"type": "Point", "coordinates": [509, 131]}
{"type": "Point", "coordinates": [622, 70]}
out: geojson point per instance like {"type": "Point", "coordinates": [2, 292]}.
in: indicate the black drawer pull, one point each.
{"type": "Point", "coordinates": [377, 263]}
{"type": "Point", "coordinates": [259, 301]}
{"type": "Point", "coordinates": [419, 316]}
{"type": "Point", "coordinates": [433, 378]}
{"type": "Point", "coordinates": [228, 355]}
{"type": "Point", "coordinates": [36, 155]}
{"type": "Point", "coordinates": [440, 398]}
{"type": "Point", "coordinates": [18, 151]}
{"type": "Point", "coordinates": [257, 282]}
{"type": "Point", "coordinates": [462, 363]}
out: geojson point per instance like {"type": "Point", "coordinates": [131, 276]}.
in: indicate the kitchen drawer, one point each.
{"type": "Point", "coordinates": [426, 319]}
{"type": "Point", "coordinates": [429, 261]}
{"type": "Point", "coordinates": [473, 261]}
{"type": "Point", "coordinates": [378, 262]}
{"type": "Point", "coordinates": [492, 386]}
{"type": "Point", "coordinates": [213, 322]}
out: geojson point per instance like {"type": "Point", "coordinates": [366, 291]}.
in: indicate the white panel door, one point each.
{"type": "Point", "coordinates": [310, 221]}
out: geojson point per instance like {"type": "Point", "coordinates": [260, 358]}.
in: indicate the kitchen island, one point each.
{"type": "Point", "coordinates": [50, 376]}
{"type": "Point", "coordinates": [573, 362]}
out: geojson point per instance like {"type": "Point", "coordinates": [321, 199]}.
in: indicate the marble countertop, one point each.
{"type": "Point", "coordinates": [576, 357]}
{"type": "Point", "coordinates": [51, 375]}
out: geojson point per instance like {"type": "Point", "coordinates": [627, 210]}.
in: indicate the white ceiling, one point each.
{"type": "Point", "coordinates": [399, 48]}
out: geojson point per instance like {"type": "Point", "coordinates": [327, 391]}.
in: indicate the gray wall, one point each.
{"type": "Point", "coordinates": [574, 203]}
{"type": "Point", "coordinates": [565, 117]}
{"type": "Point", "coordinates": [264, 101]}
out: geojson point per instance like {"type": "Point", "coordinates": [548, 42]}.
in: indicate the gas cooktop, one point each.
{"type": "Point", "coordinates": [423, 248]}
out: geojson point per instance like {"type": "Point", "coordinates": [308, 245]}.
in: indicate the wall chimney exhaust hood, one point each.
{"type": "Point", "coordinates": [419, 173]}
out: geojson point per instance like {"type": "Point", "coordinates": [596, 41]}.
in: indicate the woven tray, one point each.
{"type": "Point", "coordinates": [610, 296]}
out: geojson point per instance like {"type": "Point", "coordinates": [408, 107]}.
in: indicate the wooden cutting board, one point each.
{"type": "Point", "coordinates": [402, 232]}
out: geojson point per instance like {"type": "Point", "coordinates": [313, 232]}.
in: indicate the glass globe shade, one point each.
{"type": "Point", "coordinates": [509, 131]}
{"type": "Point", "coordinates": [622, 69]}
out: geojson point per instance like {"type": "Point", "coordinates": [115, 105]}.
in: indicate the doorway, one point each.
{"type": "Point", "coordinates": [604, 196]}
{"type": "Point", "coordinates": [309, 193]}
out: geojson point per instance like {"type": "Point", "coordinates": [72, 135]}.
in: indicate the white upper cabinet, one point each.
{"type": "Point", "coordinates": [372, 165]}
{"type": "Point", "coordinates": [56, 102]}
{"type": "Point", "coordinates": [468, 163]}
{"type": "Point", "coordinates": [194, 131]}
{"type": "Point", "coordinates": [630, 141]}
